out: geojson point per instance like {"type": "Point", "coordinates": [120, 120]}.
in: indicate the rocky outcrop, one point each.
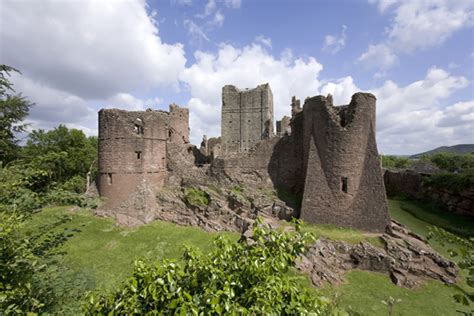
{"type": "Point", "coordinates": [406, 258]}
{"type": "Point", "coordinates": [226, 209]}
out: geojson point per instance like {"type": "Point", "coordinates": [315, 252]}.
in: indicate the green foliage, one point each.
{"type": "Point", "coordinates": [236, 278]}
{"type": "Point", "coordinates": [453, 182]}
{"type": "Point", "coordinates": [13, 109]}
{"type": "Point", "coordinates": [17, 266]}
{"type": "Point", "coordinates": [195, 196]}
{"type": "Point", "coordinates": [69, 152]}
{"type": "Point", "coordinates": [451, 161]}
{"type": "Point", "coordinates": [76, 184]}
{"type": "Point", "coordinates": [395, 162]}
{"type": "Point", "coordinates": [466, 252]}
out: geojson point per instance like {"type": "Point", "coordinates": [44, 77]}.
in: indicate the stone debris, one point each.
{"type": "Point", "coordinates": [406, 258]}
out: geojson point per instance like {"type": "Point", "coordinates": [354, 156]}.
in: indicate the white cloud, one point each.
{"type": "Point", "coordinates": [458, 114]}
{"type": "Point", "coordinates": [415, 118]}
{"type": "Point", "coordinates": [183, 2]}
{"type": "Point", "coordinates": [129, 102]}
{"type": "Point", "coordinates": [234, 4]}
{"type": "Point", "coordinates": [341, 90]}
{"type": "Point", "coordinates": [92, 49]}
{"type": "Point", "coordinates": [248, 67]}
{"type": "Point", "coordinates": [334, 43]}
{"type": "Point", "coordinates": [266, 41]}
{"type": "Point", "coordinates": [378, 56]}
{"type": "Point", "coordinates": [53, 107]}
{"type": "Point", "coordinates": [418, 25]}
{"type": "Point", "coordinates": [218, 19]}
{"type": "Point", "coordinates": [195, 31]}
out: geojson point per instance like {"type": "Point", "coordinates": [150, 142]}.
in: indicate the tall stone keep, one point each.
{"type": "Point", "coordinates": [247, 117]}
{"type": "Point", "coordinates": [343, 177]}
{"type": "Point", "coordinates": [132, 149]}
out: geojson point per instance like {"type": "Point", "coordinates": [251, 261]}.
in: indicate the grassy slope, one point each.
{"type": "Point", "coordinates": [102, 254]}
{"type": "Point", "coordinates": [364, 292]}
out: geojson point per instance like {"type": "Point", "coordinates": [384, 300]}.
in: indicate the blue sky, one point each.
{"type": "Point", "coordinates": [416, 56]}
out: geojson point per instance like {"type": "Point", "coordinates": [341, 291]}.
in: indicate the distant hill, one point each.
{"type": "Point", "coordinates": [458, 149]}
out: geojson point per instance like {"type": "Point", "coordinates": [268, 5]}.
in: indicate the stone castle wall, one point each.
{"type": "Point", "coordinates": [132, 154]}
{"type": "Point", "coordinates": [247, 117]}
{"type": "Point", "coordinates": [343, 177]}
{"type": "Point", "coordinates": [324, 160]}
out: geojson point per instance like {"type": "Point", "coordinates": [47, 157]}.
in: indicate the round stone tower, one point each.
{"type": "Point", "coordinates": [343, 181]}
{"type": "Point", "coordinates": [132, 152]}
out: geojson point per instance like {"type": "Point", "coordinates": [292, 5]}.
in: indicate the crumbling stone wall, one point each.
{"type": "Point", "coordinates": [132, 156]}
{"type": "Point", "coordinates": [178, 131]}
{"type": "Point", "coordinates": [283, 126]}
{"type": "Point", "coordinates": [411, 184]}
{"type": "Point", "coordinates": [247, 117]}
{"type": "Point", "coordinates": [343, 180]}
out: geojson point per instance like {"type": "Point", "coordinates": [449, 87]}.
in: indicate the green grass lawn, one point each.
{"type": "Point", "coordinates": [99, 255]}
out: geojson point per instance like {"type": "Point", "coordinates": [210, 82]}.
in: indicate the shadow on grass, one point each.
{"type": "Point", "coordinates": [432, 213]}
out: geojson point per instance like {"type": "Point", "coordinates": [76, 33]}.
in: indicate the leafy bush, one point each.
{"type": "Point", "coordinates": [452, 162]}
{"type": "Point", "coordinates": [17, 266]}
{"type": "Point", "coordinates": [195, 196]}
{"type": "Point", "coordinates": [466, 252]}
{"type": "Point", "coordinates": [236, 278]}
{"type": "Point", "coordinates": [451, 181]}
{"type": "Point", "coordinates": [76, 184]}
{"type": "Point", "coordinates": [395, 162]}
{"type": "Point", "coordinates": [59, 196]}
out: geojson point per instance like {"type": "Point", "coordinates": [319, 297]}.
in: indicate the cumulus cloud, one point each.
{"type": "Point", "coordinates": [52, 106]}
{"type": "Point", "coordinates": [248, 67]}
{"type": "Point", "coordinates": [195, 31]}
{"type": "Point", "coordinates": [266, 41]}
{"type": "Point", "coordinates": [416, 117]}
{"type": "Point", "coordinates": [418, 25]}
{"type": "Point", "coordinates": [129, 102]}
{"type": "Point", "coordinates": [92, 49]}
{"type": "Point", "coordinates": [378, 56]}
{"type": "Point", "coordinates": [334, 43]}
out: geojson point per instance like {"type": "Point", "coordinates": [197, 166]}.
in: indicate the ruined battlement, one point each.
{"type": "Point", "coordinates": [247, 117]}
{"type": "Point", "coordinates": [325, 156]}
{"type": "Point", "coordinates": [132, 149]}
{"type": "Point", "coordinates": [341, 163]}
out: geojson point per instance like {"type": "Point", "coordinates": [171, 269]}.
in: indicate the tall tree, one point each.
{"type": "Point", "coordinates": [14, 107]}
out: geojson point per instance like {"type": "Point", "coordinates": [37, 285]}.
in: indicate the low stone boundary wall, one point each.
{"type": "Point", "coordinates": [410, 183]}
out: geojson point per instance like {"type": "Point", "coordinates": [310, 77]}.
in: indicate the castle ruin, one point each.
{"type": "Point", "coordinates": [323, 156]}
{"type": "Point", "coordinates": [247, 117]}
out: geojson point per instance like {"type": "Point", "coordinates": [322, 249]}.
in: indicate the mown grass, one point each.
{"type": "Point", "coordinates": [348, 235]}
{"type": "Point", "coordinates": [100, 255]}
{"type": "Point", "coordinates": [364, 292]}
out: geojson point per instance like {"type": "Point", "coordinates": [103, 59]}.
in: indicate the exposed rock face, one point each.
{"type": "Point", "coordinates": [225, 210]}
{"type": "Point", "coordinates": [406, 258]}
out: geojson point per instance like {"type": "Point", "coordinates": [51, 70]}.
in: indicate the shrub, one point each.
{"type": "Point", "coordinates": [452, 161]}
{"type": "Point", "coordinates": [76, 184]}
{"type": "Point", "coordinates": [59, 196]}
{"type": "Point", "coordinates": [195, 196]}
{"type": "Point", "coordinates": [466, 253]}
{"type": "Point", "coordinates": [236, 278]}
{"type": "Point", "coordinates": [17, 266]}
{"type": "Point", "coordinates": [395, 162]}
{"type": "Point", "coordinates": [451, 181]}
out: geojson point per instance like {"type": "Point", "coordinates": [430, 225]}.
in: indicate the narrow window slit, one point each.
{"type": "Point", "coordinates": [344, 184]}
